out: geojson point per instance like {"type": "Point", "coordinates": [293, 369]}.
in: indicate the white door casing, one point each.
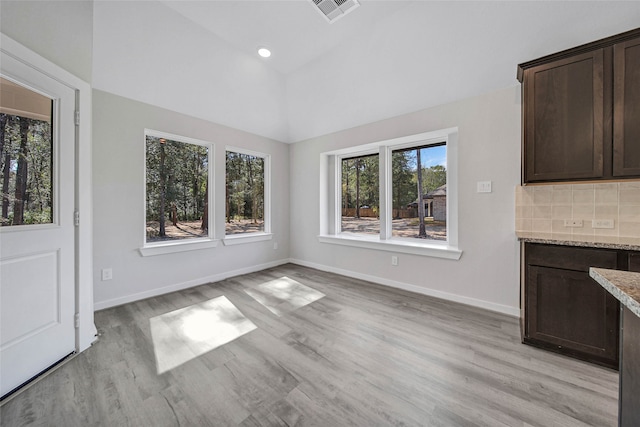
{"type": "Point", "coordinates": [37, 262]}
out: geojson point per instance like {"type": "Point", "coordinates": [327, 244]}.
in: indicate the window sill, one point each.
{"type": "Point", "coordinates": [431, 249]}
{"type": "Point", "coordinates": [174, 247]}
{"type": "Point", "coordinates": [239, 239]}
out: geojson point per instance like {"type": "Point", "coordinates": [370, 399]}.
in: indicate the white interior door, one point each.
{"type": "Point", "coordinates": [37, 236]}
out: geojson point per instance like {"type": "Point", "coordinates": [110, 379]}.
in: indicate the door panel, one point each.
{"type": "Point", "coordinates": [37, 251]}
{"type": "Point", "coordinates": [32, 280]}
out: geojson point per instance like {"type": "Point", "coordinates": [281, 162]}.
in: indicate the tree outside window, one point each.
{"type": "Point", "coordinates": [177, 188]}
{"type": "Point", "coordinates": [26, 156]}
{"type": "Point", "coordinates": [245, 193]}
{"type": "Point", "coordinates": [420, 170]}
{"type": "Point", "coordinates": [25, 170]}
{"type": "Point", "coordinates": [360, 195]}
{"type": "Point", "coordinates": [398, 195]}
{"type": "Point", "coordinates": [414, 170]}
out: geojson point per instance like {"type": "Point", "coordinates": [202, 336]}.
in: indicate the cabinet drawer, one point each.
{"type": "Point", "coordinates": [569, 257]}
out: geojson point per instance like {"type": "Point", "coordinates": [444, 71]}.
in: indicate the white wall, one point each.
{"type": "Point", "coordinates": [489, 149]}
{"type": "Point", "coordinates": [118, 177]}
{"type": "Point", "coordinates": [431, 53]}
{"type": "Point", "coordinates": [145, 51]}
{"type": "Point", "coordinates": [61, 31]}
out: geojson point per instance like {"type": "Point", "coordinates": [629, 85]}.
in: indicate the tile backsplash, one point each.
{"type": "Point", "coordinates": [546, 208]}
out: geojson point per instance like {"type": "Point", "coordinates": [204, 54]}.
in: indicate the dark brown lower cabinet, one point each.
{"type": "Point", "coordinates": [565, 310]}
{"type": "Point", "coordinates": [634, 262]}
{"type": "Point", "coordinates": [629, 407]}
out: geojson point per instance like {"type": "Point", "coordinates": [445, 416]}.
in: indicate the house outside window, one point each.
{"type": "Point", "coordinates": [396, 218]}
{"type": "Point", "coordinates": [420, 170]}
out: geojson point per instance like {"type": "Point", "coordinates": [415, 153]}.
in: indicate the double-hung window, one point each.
{"type": "Point", "coordinates": [395, 195]}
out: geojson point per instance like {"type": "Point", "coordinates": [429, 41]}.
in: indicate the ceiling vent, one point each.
{"type": "Point", "coordinates": [334, 9]}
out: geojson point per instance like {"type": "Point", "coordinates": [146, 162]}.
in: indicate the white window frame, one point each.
{"type": "Point", "coordinates": [183, 245]}
{"type": "Point", "coordinates": [257, 236]}
{"type": "Point", "coordinates": [330, 197]}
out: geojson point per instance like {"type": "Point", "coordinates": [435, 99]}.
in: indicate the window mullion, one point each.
{"type": "Point", "coordinates": [335, 207]}
{"type": "Point", "coordinates": [266, 194]}
{"type": "Point", "coordinates": [386, 216]}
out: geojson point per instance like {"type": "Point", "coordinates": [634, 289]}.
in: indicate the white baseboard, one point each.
{"type": "Point", "coordinates": [185, 285]}
{"type": "Point", "coordinates": [499, 308]}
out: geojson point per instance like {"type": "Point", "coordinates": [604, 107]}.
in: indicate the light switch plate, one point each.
{"type": "Point", "coordinates": [484, 186]}
{"type": "Point", "coordinates": [573, 223]}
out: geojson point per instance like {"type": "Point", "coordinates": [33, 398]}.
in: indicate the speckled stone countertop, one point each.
{"type": "Point", "coordinates": [624, 285]}
{"type": "Point", "coordinates": [607, 242]}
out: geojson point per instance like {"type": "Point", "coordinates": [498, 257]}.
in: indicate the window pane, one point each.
{"type": "Point", "coordinates": [26, 156]}
{"type": "Point", "coordinates": [177, 190]}
{"type": "Point", "coordinates": [428, 221]}
{"type": "Point", "coordinates": [360, 195]}
{"type": "Point", "coordinates": [245, 193]}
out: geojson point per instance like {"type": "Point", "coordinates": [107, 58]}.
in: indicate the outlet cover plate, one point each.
{"type": "Point", "coordinates": [573, 223]}
{"type": "Point", "coordinates": [602, 223]}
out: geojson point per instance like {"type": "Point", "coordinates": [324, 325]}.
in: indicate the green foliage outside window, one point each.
{"type": "Point", "coordinates": [25, 170]}
{"type": "Point", "coordinates": [414, 170]}
{"type": "Point", "coordinates": [244, 207]}
{"type": "Point", "coordinates": [177, 189]}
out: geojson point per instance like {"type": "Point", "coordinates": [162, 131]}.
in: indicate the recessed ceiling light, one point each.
{"type": "Point", "coordinates": [264, 52]}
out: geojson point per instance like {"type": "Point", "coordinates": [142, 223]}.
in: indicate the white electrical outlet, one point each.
{"type": "Point", "coordinates": [275, 245]}
{"type": "Point", "coordinates": [484, 186]}
{"type": "Point", "coordinates": [107, 274]}
{"type": "Point", "coordinates": [602, 223]}
{"type": "Point", "coordinates": [394, 260]}
{"type": "Point", "coordinates": [573, 223]}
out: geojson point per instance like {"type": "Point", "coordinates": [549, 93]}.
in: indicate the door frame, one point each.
{"type": "Point", "coordinates": [86, 332]}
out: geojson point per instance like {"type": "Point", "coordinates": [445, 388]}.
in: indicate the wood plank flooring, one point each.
{"type": "Point", "coordinates": [363, 355]}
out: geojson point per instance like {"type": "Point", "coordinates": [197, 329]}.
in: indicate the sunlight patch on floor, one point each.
{"type": "Point", "coordinates": [184, 334]}
{"type": "Point", "coordinates": [284, 295]}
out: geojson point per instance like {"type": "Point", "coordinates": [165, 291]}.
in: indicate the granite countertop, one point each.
{"type": "Point", "coordinates": [607, 242]}
{"type": "Point", "coordinates": [624, 285]}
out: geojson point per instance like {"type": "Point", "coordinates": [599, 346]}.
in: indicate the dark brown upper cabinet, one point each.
{"type": "Point", "coordinates": [581, 112]}
{"type": "Point", "coordinates": [626, 108]}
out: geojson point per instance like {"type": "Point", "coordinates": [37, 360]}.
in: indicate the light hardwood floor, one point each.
{"type": "Point", "coordinates": [363, 355]}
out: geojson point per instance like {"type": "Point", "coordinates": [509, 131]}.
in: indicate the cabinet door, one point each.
{"type": "Point", "coordinates": [626, 108]}
{"type": "Point", "coordinates": [570, 313]}
{"type": "Point", "coordinates": [634, 262]}
{"type": "Point", "coordinates": [563, 119]}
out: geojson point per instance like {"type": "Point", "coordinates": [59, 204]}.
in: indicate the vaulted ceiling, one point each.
{"type": "Point", "coordinates": [386, 58]}
{"type": "Point", "coordinates": [295, 31]}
